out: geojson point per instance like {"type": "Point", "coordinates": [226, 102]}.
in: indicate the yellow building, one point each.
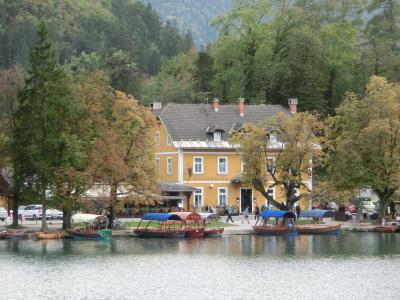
{"type": "Point", "coordinates": [197, 165]}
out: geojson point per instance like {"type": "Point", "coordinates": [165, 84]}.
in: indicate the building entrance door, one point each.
{"type": "Point", "coordinates": [246, 196]}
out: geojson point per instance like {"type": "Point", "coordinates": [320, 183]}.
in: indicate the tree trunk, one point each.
{"type": "Point", "coordinates": [113, 200]}
{"type": "Point", "coordinates": [66, 219]}
{"type": "Point", "coordinates": [384, 200]}
{"type": "Point", "coordinates": [15, 209]}
{"type": "Point", "coordinates": [260, 187]}
{"type": "Point", "coordinates": [44, 208]}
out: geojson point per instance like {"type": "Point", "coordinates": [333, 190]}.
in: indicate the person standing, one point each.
{"type": "Point", "coordinates": [246, 215]}
{"type": "Point", "coordinates": [229, 211]}
{"type": "Point", "coordinates": [298, 210]}
{"type": "Point", "coordinates": [257, 214]}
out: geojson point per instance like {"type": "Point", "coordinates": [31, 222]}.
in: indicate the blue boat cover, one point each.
{"type": "Point", "coordinates": [160, 217]}
{"type": "Point", "coordinates": [317, 213]}
{"type": "Point", "coordinates": [268, 213]}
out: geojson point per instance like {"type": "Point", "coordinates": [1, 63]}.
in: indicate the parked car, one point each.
{"type": "Point", "coordinates": [332, 206]}
{"type": "Point", "coordinates": [56, 214]}
{"type": "Point", "coordinates": [33, 212]}
{"type": "Point", "coordinates": [3, 214]}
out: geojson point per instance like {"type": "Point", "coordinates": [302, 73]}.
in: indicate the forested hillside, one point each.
{"type": "Point", "coordinates": [123, 37]}
{"type": "Point", "coordinates": [313, 50]}
{"type": "Point", "coordinates": [193, 15]}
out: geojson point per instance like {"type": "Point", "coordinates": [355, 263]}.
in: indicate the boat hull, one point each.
{"type": "Point", "coordinates": [213, 232]}
{"type": "Point", "coordinates": [319, 229]}
{"type": "Point", "coordinates": [194, 232]}
{"type": "Point", "coordinates": [386, 229]}
{"type": "Point", "coordinates": [102, 234]}
{"type": "Point", "coordinates": [275, 230]}
{"type": "Point", "coordinates": [48, 235]}
{"type": "Point", "coordinates": [160, 233]}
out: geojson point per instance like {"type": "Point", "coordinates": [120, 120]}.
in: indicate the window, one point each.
{"type": "Point", "coordinates": [198, 197]}
{"type": "Point", "coordinates": [169, 141]}
{"type": "Point", "coordinates": [157, 138]}
{"type": "Point", "coordinates": [271, 192]}
{"type": "Point", "coordinates": [169, 166]}
{"type": "Point", "coordinates": [222, 165]}
{"type": "Point", "coordinates": [242, 166]}
{"type": "Point", "coordinates": [217, 136]}
{"type": "Point", "coordinates": [158, 165]}
{"type": "Point", "coordinates": [222, 196]}
{"type": "Point", "coordinates": [273, 137]}
{"type": "Point", "coordinates": [198, 165]}
{"type": "Point", "coordinates": [270, 165]}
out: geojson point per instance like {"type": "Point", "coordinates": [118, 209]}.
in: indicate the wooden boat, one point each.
{"type": "Point", "coordinates": [101, 234]}
{"type": "Point", "coordinates": [192, 222]}
{"type": "Point", "coordinates": [275, 230]}
{"type": "Point", "coordinates": [18, 235]}
{"type": "Point", "coordinates": [160, 232]}
{"type": "Point", "coordinates": [3, 235]}
{"type": "Point", "coordinates": [386, 228]}
{"type": "Point", "coordinates": [90, 227]}
{"type": "Point", "coordinates": [318, 229]}
{"type": "Point", "coordinates": [48, 235]}
{"type": "Point", "coordinates": [193, 232]}
{"type": "Point", "coordinates": [168, 226]}
{"type": "Point", "coordinates": [213, 232]}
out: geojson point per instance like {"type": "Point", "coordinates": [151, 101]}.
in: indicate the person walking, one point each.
{"type": "Point", "coordinates": [298, 210]}
{"type": "Point", "coordinates": [246, 215]}
{"type": "Point", "coordinates": [257, 214]}
{"type": "Point", "coordinates": [229, 211]}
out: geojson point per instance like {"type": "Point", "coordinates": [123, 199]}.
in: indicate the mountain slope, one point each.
{"type": "Point", "coordinates": [192, 15]}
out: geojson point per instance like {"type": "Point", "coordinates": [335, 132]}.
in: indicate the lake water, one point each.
{"type": "Point", "coordinates": [348, 266]}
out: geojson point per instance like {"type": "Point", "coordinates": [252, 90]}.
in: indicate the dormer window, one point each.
{"type": "Point", "coordinates": [217, 136]}
{"type": "Point", "coordinates": [273, 137]}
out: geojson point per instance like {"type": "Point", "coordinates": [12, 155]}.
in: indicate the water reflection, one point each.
{"type": "Point", "coordinates": [346, 244]}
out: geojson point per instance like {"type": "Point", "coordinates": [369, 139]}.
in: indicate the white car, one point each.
{"type": "Point", "coordinates": [33, 212]}
{"type": "Point", "coordinates": [56, 214]}
{"type": "Point", "coordinates": [3, 214]}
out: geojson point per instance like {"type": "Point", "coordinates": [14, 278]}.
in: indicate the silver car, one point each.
{"type": "Point", "coordinates": [3, 214]}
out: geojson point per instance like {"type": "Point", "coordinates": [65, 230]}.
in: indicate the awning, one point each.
{"type": "Point", "coordinates": [160, 217]}
{"type": "Point", "coordinates": [189, 216]}
{"type": "Point", "coordinates": [175, 187]}
{"type": "Point", "coordinates": [236, 179]}
{"type": "Point", "coordinates": [209, 216]}
{"type": "Point", "coordinates": [317, 213]}
{"type": "Point", "coordinates": [268, 213]}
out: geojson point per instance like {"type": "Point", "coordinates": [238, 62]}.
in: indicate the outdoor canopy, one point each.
{"type": "Point", "coordinates": [187, 216]}
{"type": "Point", "coordinates": [87, 218]}
{"type": "Point", "coordinates": [209, 216]}
{"type": "Point", "coordinates": [160, 217]}
{"type": "Point", "coordinates": [273, 213]}
{"type": "Point", "coordinates": [317, 213]}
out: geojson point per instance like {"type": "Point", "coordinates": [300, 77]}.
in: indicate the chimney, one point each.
{"type": "Point", "coordinates": [215, 104]}
{"type": "Point", "coordinates": [155, 105]}
{"type": "Point", "coordinates": [241, 107]}
{"type": "Point", "coordinates": [293, 105]}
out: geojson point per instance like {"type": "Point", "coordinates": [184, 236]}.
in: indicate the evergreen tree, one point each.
{"type": "Point", "coordinates": [40, 133]}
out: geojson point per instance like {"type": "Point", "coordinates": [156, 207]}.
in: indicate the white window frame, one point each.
{"type": "Point", "coordinates": [219, 195]}
{"type": "Point", "coordinates": [157, 138]}
{"type": "Point", "coordinates": [158, 165]}
{"type": "Point", "coordinates": [266, 164]}
{"type": "Point", "coordinates": [169, 166]}
{"type": "Point", "coordinates": [194, 165]}
{"type": "Point", "coordinates": [217, 135]}
{"type": "Point", "coordinates": [226, 164]}
{"type": "Point", "coordinates": [201, 193]}
{"type": "Point", "coordinates": [273, 137]}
